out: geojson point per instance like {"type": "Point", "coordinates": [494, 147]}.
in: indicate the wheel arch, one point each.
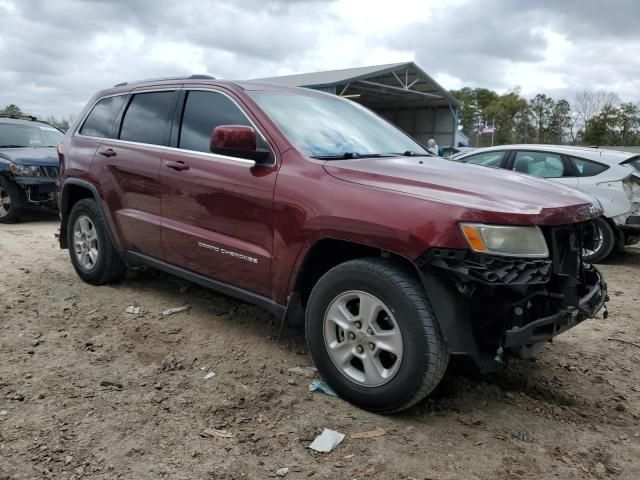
{"type": "Point", "coordinates": [318, 259]}
{"type": "Point", "coordinates": [74, 190]}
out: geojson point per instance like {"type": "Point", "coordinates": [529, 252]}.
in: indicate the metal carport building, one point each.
{"type": "Point", "coordinates": [401, 92]}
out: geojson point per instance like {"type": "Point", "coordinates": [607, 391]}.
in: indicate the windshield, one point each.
{"type": "Point", "coordinates": [16, 135]}
{"type": "Point", "coordinates": [328, 126]}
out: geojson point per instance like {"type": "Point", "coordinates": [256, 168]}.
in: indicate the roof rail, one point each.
{"type": "Point", "coordinates": [18, 117]}
{"type": "Point", "coordinates": [190, 77]}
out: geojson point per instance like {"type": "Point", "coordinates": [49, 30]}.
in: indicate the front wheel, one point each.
{"type": "Point", "coordinates": [93, 255]}
{"type": "Point", "coordinates": [604, 244]}
{"type": "Point", "coordinates": [11, 201]}
{"type": "Point", "coordinates": [373, 335]}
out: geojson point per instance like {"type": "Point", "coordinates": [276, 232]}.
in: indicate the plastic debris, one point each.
{"type": "Point", "coordinates": [321, 385]}
{"type": "Point", "coordinates": [4, 413]}
{"type": "Point", "coordinates": [171, 311]}
{"type": "Point", "coordinates": [209, 375]}
{"type": "Point", "coordinates": [133, 310]}
{"type": "Point", "coordinates": [215, 433]}
{"type": "Point", "coordinates": [110, 384]}
{"type": "Point", "coordinates": [326, 441]}
{"type": "Point", "coordinates": [282, 472]}
{"type": "Point", "coordinates": [308, 372]}
{"type": "Point", "coordinates": [378, 432]}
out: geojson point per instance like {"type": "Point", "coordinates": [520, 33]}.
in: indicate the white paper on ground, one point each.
{"type": "Point", "coordinates": [326, 441]}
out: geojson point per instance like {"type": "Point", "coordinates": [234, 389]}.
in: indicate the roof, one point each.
{"type": "Point", "coordinates": [408, 83]}
{"type": "Point", "coordinates": [329, 77]}
{"type": "Point", "coordinates": [611, 157]}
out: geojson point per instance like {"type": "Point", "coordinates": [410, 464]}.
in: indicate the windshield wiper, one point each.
{"type": "Point", "coordinates": [348, 155]}
{"type": "Point", "coordinates": [13, 146]}
{"type": "Point", "coordinates": [411, 153]}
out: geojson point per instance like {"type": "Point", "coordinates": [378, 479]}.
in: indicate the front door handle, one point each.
{"type": "Point", "coordinates": [179, 166]}
{"type": "Point", "coordinates": [107, 152]}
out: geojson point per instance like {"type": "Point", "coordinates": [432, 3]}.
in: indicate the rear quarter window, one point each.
{"type": "Point", "coordinates": [101, 120]}
{"type": "Point", "coordinates": [634, 163]}
{"type": "Point", "coordinates": [588, 168]}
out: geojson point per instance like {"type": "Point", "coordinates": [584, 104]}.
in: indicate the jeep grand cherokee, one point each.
{"type": "Point", "coordinates": [317, 209]}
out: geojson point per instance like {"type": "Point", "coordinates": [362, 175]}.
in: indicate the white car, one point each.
{"type": "Point", "coordinates": [613, 177]}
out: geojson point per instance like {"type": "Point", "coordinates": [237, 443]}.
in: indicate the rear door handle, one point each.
{"type": "Point", "coordinates": [179, 166]}
{"type": "Point", "coordinates": [107, 152]}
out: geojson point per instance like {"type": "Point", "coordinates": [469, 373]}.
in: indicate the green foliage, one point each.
{"type": "Point", "coordinates": [11, 110]}
{"type": "Point", "coordinates": [598, 118]}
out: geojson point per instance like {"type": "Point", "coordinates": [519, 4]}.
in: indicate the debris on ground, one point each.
{"type": "Point", "coordinates": [326, 441]}
{"type": "Point", "coordinates": [133, 310]}
{"type": "Point", "coordinates": [215, 433]}
{"type": "Point", "coordinates": [4, 413]}
{"type": "Point", "coordinates": [171, 311]}
{"type": "Point", "coordinates": [110, 384]}
{"type": "Point", "coordinates": [519, 435]}
{"type": "Point", "coordinates": [308, 372]}
{"type": "Point", "coordinates": [378, 432]}
{"type": "Point", "coordinates": [321, 385]}
{"type": "Point", "coordinates": [209, 375]}
{"type": "Point", "coordinates": [171, 362]}
{"type": "Point", "coordinates": [282, 472]}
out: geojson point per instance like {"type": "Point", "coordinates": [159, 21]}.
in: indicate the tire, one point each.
{"type": "Point", "coordinates": [12, 200]}
{"type": "Point", "coordinates": [605, 246]}
{"type": "Point", "coordinates": [406, 313]}
{"type": "Point", "coordinates": [105, 264]}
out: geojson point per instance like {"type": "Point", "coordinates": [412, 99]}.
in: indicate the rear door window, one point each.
{"type": "Point", "coordinates": [587, 168]}
{"type": "Point", "coordinates": [488, 159]}
{"type": "Point", "coordinates": [539, 164]}
{"type": "Point", "coordinates": [148, 117]}
{"type": "Point", "coordinates": [101, 121]}
{"type": "Point", "coordinates": [203, 111]}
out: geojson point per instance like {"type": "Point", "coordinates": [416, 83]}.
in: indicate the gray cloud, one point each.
{"type": "Point", "coordinates": [54, 55]}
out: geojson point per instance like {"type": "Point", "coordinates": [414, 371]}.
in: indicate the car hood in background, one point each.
{"type": "Point", "coordinates": [478, 188]}
{"type": "Point", "coordinates": [43, 156]}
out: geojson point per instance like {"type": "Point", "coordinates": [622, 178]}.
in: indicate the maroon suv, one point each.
{"type": "Point", "coordinates": [317, 209]}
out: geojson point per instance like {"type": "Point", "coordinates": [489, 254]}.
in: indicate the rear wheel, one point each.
{"type": "Point", "coordinates": [373, 335]}
{"type": "Point", "coordinates": [605, 242]}
{"type": "Point", "coordinates": [11, 201]}
{"type": "Point", "coordinates": [94, 257]}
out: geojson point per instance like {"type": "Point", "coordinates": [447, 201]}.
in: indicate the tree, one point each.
{"type": "Point", "coordinates": [629, 124]}
{"type": "Point", "coordinates": [541, 109]}
{"type": "Point", "coordinates": [560, 123]}
{"type": "Point", "coordinates": [505, 112]}
{"type": "Point", "coordinates": [11, 110]}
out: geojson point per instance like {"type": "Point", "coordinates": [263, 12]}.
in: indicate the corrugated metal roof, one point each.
{"type": "Point", "coordinates": [330, 77]}
{"type": "Point", "coordinates": [359, 76]}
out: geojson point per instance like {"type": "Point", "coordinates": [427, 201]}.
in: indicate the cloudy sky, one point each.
{"type": "Point", "coordinates": [54, 54]}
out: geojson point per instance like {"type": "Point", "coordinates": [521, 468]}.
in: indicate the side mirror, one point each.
{"type": "Point", "coordinates": [237, 141]}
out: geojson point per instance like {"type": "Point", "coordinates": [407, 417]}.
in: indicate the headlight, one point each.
{"type": "Point", "coordinates": [506, 240]}
{"type": "Point", "coordinates": [24, 171]}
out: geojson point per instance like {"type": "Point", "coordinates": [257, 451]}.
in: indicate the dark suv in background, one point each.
{"type": "Point", "coordinates": [28, 165]}
{"type": "Point", "coordinates": [322, 212]}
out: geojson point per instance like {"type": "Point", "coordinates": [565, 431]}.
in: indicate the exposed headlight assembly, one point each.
{"type": "Point", "coordinates": [508, 241]}
{"type": "Point", "coordinates": [25, 171]}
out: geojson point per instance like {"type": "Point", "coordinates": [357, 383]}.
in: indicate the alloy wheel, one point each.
{"type": "Point", "coordinates": [5, 202]}
{"type": "Point", "coordinates": [363, 338]}
{"type": "Point", "coordinates": [85, 242]}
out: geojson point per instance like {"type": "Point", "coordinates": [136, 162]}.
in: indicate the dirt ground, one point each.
{"type": "Point", "coordinates": [573, 413]}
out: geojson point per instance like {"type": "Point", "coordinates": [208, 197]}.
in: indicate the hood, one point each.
{"type": "Point", "coordinates": [42, 157]}
{"type": "Point", "coordinates": [510, 196]}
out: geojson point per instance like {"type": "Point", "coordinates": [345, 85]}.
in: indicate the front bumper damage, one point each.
{"type": "Point", "coordinates": [39, 191]}
{"type": "Point", "coordinates": [491, 307]}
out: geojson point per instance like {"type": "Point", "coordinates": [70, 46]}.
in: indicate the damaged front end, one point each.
{"type": "Point", "coordinates": [491, 307]}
